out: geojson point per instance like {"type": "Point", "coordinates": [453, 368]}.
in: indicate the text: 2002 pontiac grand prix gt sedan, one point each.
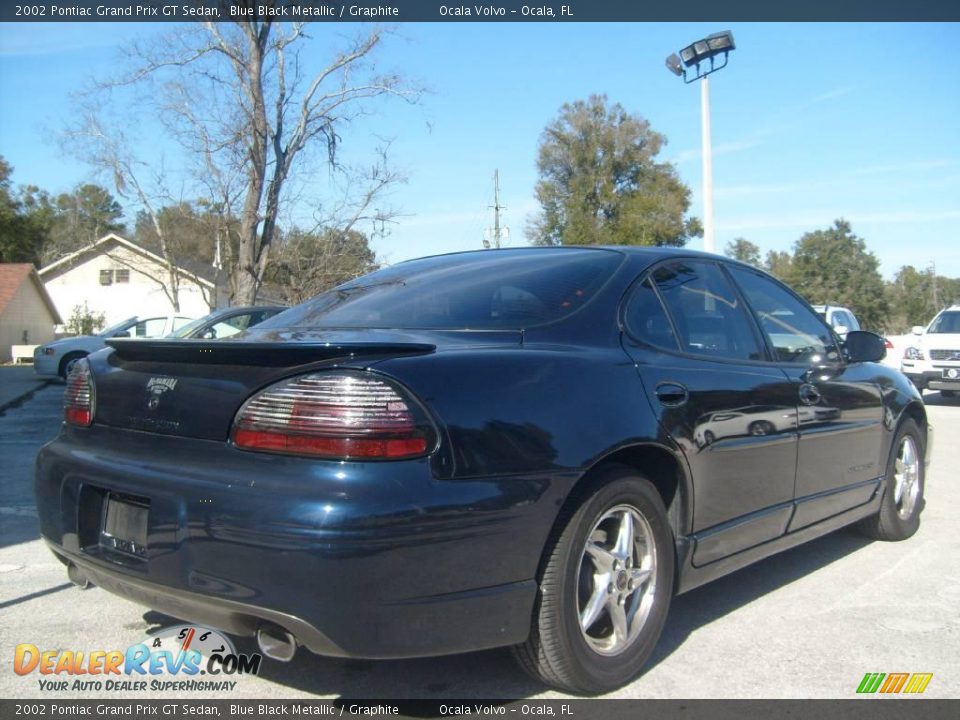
{"type": "Point", "coordinates": [480, 450]}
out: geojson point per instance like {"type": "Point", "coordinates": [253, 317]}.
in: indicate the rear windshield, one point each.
{"type": "Point", "coordinates": [948, 322]}
{"type": "Point", "coordinates": [514, 289]}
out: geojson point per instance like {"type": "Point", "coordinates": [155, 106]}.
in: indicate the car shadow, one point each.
{"type": "Point", "coordinates": [937, 398]}
{"type": "Point", "coordinates": [495, 674]}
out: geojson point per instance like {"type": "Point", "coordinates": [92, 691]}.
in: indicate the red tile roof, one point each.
{"type": "Point", "coordinates": [12, 276]}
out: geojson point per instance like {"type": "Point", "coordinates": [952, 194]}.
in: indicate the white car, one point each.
{"type": "Point", "coordinates": [58, 357]}
{"type": "Point", "coordinates": [932, 361]}
{"type": "Point", "coordinates": [841, 319]}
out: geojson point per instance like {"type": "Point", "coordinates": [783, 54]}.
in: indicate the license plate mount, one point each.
{"type": "Point", "coordinates": [124, 527]}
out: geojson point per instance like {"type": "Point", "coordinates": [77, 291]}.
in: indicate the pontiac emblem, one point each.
{"type": "Point", "coordinates": [157, 386]}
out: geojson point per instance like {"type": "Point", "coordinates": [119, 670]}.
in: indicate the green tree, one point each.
{"type": "Point", "coordinates": [84, 321]}
{"type": "Point", "coordinates": [80, 218]}
{"type": "Point", "coordinates": [833, 266]}
{"type": "Point", "coordinates": [24, 221]}
{"type": "Point", "coordinates": [915, 296]}
{"type": "Point", "coordinates": [743, 250]}
{"type": "Point", "coordinates": [779, 263]}
{"type": "Point", "coordinates": [307, 263]}
{"type": "Point", "coordinates": [600, 182]}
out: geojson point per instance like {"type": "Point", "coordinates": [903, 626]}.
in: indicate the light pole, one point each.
{"type": "Point", "coordinates": [710, 48]}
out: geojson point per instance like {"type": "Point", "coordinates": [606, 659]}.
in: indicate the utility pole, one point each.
{"type": "Point", "coordinates": [933, 286]}
{"type": "Point", "coordinates": [496, 232]}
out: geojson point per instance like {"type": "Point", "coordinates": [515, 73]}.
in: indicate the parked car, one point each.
{"type": "Point", "coordinates": [483, 449]}
{"type": "Point", "coordinates": [841, 319]}
{"type": "Point", "coordinates": [932, 361]}
{"type": "Point", "coordinates": [227, 322]}
{"type": "Point", "coordinates": [59, 356]}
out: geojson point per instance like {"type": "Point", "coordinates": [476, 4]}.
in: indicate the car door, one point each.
{"type": "Point", "coordinates": [839, 405]}
{"type": "Point", "coordinates": [709, 381]}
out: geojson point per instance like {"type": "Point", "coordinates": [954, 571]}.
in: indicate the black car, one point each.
{"type": "Point", "coordinates": [227, 322]}
{"type": "Point", "coordinates": [477, 450]}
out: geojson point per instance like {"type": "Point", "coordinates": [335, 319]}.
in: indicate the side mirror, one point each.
{"type": "Point", "coordinates": [917, 330]}
{"type": "Point", "coordinates": [122, 333]}
{"type": "Point", "coordinates": [863, 346]}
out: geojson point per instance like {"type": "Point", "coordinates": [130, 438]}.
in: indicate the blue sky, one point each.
{"type": "Point", "coordinates": [811, 122]}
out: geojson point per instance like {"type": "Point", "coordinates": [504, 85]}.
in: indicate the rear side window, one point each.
{"type": "Point", "coordinates": [646, 320]}
{"type": "Point", "coordinates": [706, 310]}
{"type": "Point", "coordinates": [797, 333]}
{"type": "Point", "coordinates": [496, 290]}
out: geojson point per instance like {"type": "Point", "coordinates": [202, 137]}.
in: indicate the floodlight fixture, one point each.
{"type": "Point", "coordinates": [703, 55]}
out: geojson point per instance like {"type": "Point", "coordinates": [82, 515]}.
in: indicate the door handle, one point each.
{"type": "Point", "coordinates": [809, 395]}
{"type": "Point", "coordinates": [672, 394]}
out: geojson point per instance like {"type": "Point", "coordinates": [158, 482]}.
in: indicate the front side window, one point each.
{"type": "Point", "coordinates": [795, 331]}
{"type": "Point", "coordinates": [706, 310]}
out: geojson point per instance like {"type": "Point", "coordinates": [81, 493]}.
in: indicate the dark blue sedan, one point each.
{"type": "Point", "coordinates": [530, 447]}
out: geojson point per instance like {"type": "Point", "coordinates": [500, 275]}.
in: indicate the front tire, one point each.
{"type": "Point", "coordinates": [605, 587]}
{"type": "Point", "coordinates": [899, 515]}
{"type": "Point", "coordinates": [69, 360]}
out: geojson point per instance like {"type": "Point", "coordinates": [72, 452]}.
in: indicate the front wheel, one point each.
{"type": "Point", "coordinates": [899, 515]}
{"type": "Point", "coordinates": [605, 587]}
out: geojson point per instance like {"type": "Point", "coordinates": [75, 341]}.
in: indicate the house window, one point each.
{"type": "Point", "coordinates": [122, 276]}
{"type": "Point", "coordinates": [106, 277]}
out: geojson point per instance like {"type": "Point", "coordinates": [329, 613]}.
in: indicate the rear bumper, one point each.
{"type": "Point", "coordinates": [354, 559]}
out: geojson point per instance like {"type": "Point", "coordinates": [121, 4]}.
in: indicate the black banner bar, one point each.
{"type": "Point", "coordinates": [492, 11]}
{"type": "Point", "coordinates": [173, 709]}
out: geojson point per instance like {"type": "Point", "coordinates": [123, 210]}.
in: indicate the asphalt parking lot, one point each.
{"type": "Point", "coordinates": [808, 623]}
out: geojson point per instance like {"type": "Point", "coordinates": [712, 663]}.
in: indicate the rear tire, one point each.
{"type": "Point", "coordinates": [948, 393]}
{"type": "Point", "coordinates": [605, 587]}
{"type": "Point", "coordinates": [69, 360]}
{"type": "Point", "coordinates": [903, 485]}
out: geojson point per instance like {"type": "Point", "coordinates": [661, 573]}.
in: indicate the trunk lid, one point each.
{"type": "Point", "coordinates": [194, 388]}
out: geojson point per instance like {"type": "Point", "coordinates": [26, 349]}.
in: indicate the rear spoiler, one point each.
{"type": "Point", "coordinates": [266, 354]}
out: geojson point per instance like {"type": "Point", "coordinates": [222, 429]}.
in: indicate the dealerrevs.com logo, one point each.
{"type": "Point", "coordinates": [894, 683]}
{"type": "Point", "coordinates": [178, 658]}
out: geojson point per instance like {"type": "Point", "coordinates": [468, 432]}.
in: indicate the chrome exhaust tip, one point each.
{"type": "Point", "coordinates": [276, 643]}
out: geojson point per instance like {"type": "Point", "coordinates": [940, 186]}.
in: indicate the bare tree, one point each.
{"type": "Point", "coordinates": [243, 99]}
{"type": "Point", "coordinates": [109, 151]}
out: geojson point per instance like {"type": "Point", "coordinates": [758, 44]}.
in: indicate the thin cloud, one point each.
{"type": "Point", "coordinates": [832, 95]}
{"type": "Point", "coordinates": [903, 167]}
{"type": "Point", "coordinates": [727, 148]}
{"type": "Point", "coordinates": [822, 219]}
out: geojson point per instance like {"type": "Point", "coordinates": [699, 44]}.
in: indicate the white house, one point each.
{"type": "Point", "coordinates": [27, 314]}
{"type": "Point", "coordinates": [121, 279]}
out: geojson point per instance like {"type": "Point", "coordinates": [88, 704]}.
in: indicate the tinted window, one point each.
{"type": "Point", "coordinates": [485, 290]}
{"type": "Point", "coordinates": [797, 334]}
{"type": "Point", "coordinates": [706, 310]}
{"type": "Point", "coordinates": [646, 319]}
{"type": "Point", "coordinates": [948, 322]}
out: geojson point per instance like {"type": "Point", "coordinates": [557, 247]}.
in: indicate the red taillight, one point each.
{"type": "Point", "coordinates": [78, 397]}
{"type": "Point", "coordinates": [887, 344]}
{"type": "Point", "coordinates": [338, 415]}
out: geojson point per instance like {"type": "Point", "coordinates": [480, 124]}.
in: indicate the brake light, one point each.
{"type": "Point", "coordinates": [339, 415]}
{"type": "Point", "coordinates": [887, 344]}
{"type": "Point", "coordinates": [78, 397]}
